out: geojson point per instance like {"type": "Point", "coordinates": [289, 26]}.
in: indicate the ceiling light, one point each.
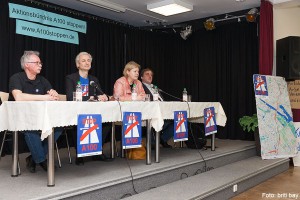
{"type": "Point", "coordinates": [106, 5]}
{"type": "Point", "coordinates": [209, 24]}
{"type": "Point", "coordinates": [169, 7]}
{"type": "Point", "coordinates": [251, 15]}
{"type": "Point", "coordinates": [187, 32]}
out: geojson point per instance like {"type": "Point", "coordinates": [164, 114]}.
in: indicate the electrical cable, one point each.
{"type": "Point", "coordinates": [190, 125]}
{"type": "Point", "coordinates": [181, 176]}
{"type": "Point", "coordinates": [133, 187]}
{"type": "Point", "coordinates": [160, 90]}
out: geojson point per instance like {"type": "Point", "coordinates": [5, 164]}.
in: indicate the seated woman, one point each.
{"type": "Point", "coordinates": [123, 86]}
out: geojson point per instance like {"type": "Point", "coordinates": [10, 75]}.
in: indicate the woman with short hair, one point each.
{"type": "Point", "coordinates": [126, 84]}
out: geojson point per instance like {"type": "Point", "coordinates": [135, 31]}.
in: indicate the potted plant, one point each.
{"type": "Point", "coordinates": [250, 124]}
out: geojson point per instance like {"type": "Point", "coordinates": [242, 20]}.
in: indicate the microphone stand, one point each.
{"type": "Point", "coordinates": [95, 94]}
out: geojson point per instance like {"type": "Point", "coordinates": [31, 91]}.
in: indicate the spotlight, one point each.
{"type": "Point", "coordinates": [251, 15]}
{"type": "Point", "coordinates": [209, 24]}
{"type": "Point", "coordinates": [187, 32]}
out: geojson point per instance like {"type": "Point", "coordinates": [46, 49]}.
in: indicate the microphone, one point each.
{"type": "Point", "coordinates": [95, 85]}
{"type": "Point", "coordinates": [160, 90]}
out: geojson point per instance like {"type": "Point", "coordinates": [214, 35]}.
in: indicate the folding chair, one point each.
{"type": "Point", "coordinates": [63, 97]}
{"type": "Point", "coordinates": [4, 97]}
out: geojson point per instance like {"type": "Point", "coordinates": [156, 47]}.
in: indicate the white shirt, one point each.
{"type": "Point", "coordinates": [151, 89]}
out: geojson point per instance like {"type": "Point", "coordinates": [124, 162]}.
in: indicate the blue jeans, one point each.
{"type": "Point", "coordinates": [38, 148]}
{"type": "Point", "coordinates": [167, 131]}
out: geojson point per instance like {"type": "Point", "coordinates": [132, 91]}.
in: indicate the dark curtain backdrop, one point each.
{"type": "Point", "coordinates": [213, 65]}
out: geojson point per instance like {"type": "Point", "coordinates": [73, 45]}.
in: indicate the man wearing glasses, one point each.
{"type": "Point", "coordinates": [30, 86]}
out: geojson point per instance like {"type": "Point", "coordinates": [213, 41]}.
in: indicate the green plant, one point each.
{"type": "Point", "coordinates": [249, 123]}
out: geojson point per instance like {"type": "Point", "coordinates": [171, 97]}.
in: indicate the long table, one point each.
{"type": "Point", "coordinates": [45, 115]}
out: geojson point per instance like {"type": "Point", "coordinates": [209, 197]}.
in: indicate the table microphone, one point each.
{"type": "Point", "coordinates": [93, 84]}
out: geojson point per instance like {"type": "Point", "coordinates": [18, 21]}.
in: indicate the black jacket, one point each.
{"type": "Point", "coordinates": [147, 91]}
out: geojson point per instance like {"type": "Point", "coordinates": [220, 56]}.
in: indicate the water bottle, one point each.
{"type": "Point", "coordinates": [78, 92]}
{"type": "Point", "coordinates": [184, 95]}
{"type": "Point", "coordinates": [155, 94]}
{"type": "Point", "coordinates": [133, 93]}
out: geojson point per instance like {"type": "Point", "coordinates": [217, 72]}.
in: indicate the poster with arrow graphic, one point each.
{"type": "Point", "coordinates": [132, 130]}
{"type": "Point", "coordinates": [210, 121]}
{"type": "Point", "coordinates": [89, 135]}
{"type": "Point", "coordinates": [180, 126]}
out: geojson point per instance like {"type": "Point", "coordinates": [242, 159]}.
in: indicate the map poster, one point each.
{"type": "Point", "coordinates": [277, 132]}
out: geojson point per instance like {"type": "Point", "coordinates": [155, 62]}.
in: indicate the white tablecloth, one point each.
{"type": "Point", "coordinates": [195, 110]}
{"type": "Point", "coordinates": [44, 115]}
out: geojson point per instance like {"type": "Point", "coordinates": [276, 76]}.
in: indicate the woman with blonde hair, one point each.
{"type": "Point", "coordinates": [128, 83]}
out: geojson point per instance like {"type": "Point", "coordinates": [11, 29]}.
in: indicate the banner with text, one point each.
{"type": "Point", "coordinates": [210, 121]}
{"type": "Point", "coordinates": [132, 130]}
{"type": "Point", "coordinates": [47, 18]}
{"type": "Point", "coordinates": [46, 32]}
{"type": "Point", "coordinates": [180, 126]}
{"type": "Point", "coordinates": [89, 135]}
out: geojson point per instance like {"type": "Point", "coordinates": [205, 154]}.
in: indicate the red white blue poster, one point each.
{"type": "Point", "coordinates": [89, 135]}
{"type": "Point", "coordinates": [132, 130]}
{"type": "Point", "coordinates": [210, 121]}
{"type": "Point", "coordinates": [180, 126]}
{"type": "Point", "coordinates": [260, 85]}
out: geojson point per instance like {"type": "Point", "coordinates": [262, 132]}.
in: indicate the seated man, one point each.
{"type": "Point", "coordinates": [167, 132]}
{"type": "Point", "coordinates": [30, 86]}
{"type": "Point", "coordinates": [83, 63]}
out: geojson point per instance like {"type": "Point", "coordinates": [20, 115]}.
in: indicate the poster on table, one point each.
{"type": "Point", "coordinates": [132, 130]}
{"type": "Point", "coordinates": [89, 135]}
{"type": "Point", "coordinates": [275, 121]}
{"type": "Point", "coordinates": [210, 121]}
{"type": "Point", "coordinates": [180, 126]}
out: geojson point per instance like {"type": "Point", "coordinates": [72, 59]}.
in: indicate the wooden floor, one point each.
{"type": "Point", "coordinates": [282, 186]}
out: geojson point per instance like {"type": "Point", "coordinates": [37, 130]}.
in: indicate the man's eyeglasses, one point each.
{"type": "Point", "coordinates": [37, 63]}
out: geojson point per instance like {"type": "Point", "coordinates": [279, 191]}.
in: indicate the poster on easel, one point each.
{"type": "Point", "coordinates": [275, 120]}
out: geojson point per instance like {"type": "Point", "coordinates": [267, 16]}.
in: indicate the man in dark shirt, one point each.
{"type": "Point", "coordinates": [167, 132]}
{"type": "Point", "coordinates": [30, 86]}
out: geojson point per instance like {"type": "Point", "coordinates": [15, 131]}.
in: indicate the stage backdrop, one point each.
{"type": "Point", "coordinates": [213, 65]}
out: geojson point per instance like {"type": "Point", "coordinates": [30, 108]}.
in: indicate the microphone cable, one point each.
{"type": "Point", "coordinates": [190, 126]}
{"type": "Point", "coordinates": [127, 162]}
{"type": "Point", "coordinates": [160, 90]}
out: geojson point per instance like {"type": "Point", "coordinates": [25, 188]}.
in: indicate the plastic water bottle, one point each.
{"type": "Point", "coordinates": [155, 94]}
{"type": "Point", "coordinates": [133, 93]}
{"type": "Point", "coordinates": [78, 92]}
{"type": "Point", "coordinates": [184, 95]}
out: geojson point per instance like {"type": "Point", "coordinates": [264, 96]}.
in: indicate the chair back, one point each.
{"type": "Point", "coordinates": [4, 96]}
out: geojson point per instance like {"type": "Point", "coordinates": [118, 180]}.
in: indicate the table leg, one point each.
{"type": "Point", "coordinates": [213, 142]}
{"type": "Point", "coordinates": [148, 145]}
{"type": "Point", "coordinates": [51, 181]}
{"type": "Point", "coordinates": [121, 148]}
{"type": "Point", "coordinates": [15, 155]}
{"type": "Point", "coordinates": [112, 143]}
{"type": "Point", "coordinates": [157, 147]}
